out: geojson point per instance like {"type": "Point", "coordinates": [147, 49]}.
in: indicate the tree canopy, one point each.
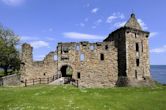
{"type": "Point", "coordinates": [9, 55]}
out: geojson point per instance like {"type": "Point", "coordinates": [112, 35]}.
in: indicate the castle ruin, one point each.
{"type": "Point", "coordinates": [122, 59]}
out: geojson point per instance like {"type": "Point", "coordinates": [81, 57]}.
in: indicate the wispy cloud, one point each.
{"type": "Point", "coordinates": [115, 16]}
{"type": "Point", "coordinates": [119, 24]}
{"type": "Point", "coordinates": [142, 23]}
{"type": "Point", "coordinates": [39, 44]}
{"type": "Point", "coordinates": [13, 2]}
{"type": "Point", "coordinates": [32, 38]}
{"type": "Point", "coordinates": [95, 10]}
{"type": "Point", "coordinates": [152, 34]}
{"type": "Point", "coordinates": [76, 35]}
{"type": "Point", "coordinates": [159, 50]}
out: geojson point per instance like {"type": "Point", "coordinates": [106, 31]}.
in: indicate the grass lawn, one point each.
{"type": "Point", "coordinates": [70, 98]}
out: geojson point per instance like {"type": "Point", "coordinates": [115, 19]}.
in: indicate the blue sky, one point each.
{"type": "Point", "coordinates": [44, 23]}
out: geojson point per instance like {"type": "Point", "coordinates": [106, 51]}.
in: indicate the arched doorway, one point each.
{"type": "Point", "coordinates": [66, 72]}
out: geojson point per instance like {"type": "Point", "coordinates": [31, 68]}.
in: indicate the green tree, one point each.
{"type": "Point", "coordinates": [9, 55]}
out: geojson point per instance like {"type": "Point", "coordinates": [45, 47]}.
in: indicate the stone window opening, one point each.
{"type": "Point", "coordinates": [137, 47]}
{"type": "Point", "coordinates": [106, 47]}
{"type": "Point", "coordinates": [44, 74]}
{"type": "Point", "coordinates": [78, 75]}
{"type": "Point", "coordinates": [137, 62]}
{"type": "Point", "coordinates": [135, 35]}
{"type": "Point", "coordinates": [82, 57]}
{"type": "Point", "coordinates": [101, 56]}
{"type": "Point", "coordinates": [92, 47]}
{"type": "Point", "coordinates": [55, 58]}
{"type": "Point", "coordinates": [136, 74]}
{"type": "Point", "coordinates": [77, 47]}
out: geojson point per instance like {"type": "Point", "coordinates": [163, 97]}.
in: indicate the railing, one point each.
{"type": "Point", "coordinates": [41, 80]}
{"type": "Point", "coordinates": [74, 82]}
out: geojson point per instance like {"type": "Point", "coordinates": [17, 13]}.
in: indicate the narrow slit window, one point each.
{"type": "Point", "coordinates": [137, 47]}
{"type": "Point", "coordinates": [136, 74]}
{"type": "Point", "coordinates": [101, 56]}
{"type": "Point", "coordinates": [137, 62]}
{"type": "Point", "coordinates": [142, 47]}
{"type": "Point", "coordinates": [78, 75]}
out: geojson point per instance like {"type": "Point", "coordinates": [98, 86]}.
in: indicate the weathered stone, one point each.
{"type": "Point", "coordinates": [122, 59]}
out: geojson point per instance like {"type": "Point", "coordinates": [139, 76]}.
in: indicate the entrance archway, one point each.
{"type": "Point", "coordinates": [66, 71]}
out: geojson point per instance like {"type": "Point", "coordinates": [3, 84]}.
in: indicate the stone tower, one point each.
{"type": "Point", "coordinates": [27, 60]}
{"type": "Point", "coordinates": [133, 53]}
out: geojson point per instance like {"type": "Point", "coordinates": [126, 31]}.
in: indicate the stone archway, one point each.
{"type": "Point", "coordinates": [66, 71]}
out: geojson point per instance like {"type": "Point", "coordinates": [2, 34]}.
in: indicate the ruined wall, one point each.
{"type": "Point", "coordinates": [94, 72]}
{"type": "Point", "coordinates": [36, 69]}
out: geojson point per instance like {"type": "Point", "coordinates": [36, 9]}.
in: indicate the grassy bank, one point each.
{"type": "Point", "coordinates": [70, 98]}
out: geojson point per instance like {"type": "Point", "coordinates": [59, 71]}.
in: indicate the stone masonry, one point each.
{"type": "Point", "coordinates": [122, 59]}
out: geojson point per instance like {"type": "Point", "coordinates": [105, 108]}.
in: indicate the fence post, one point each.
{"type": "Point", "coordinates": [25, 82]}
{"type": "Point", "coordinates": [77, 83]}
{"type": "Point", "coordinates": [39, 80]}
{"type": "Point", "coordinates": [33, 82]}
{"type": "Point", "coordinates": [48, 80]}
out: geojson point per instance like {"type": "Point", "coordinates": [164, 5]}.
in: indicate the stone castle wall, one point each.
{"type": "Point", "coordinates": [121, 59]}
{"type": "Point", "coordinates": [93, 71]}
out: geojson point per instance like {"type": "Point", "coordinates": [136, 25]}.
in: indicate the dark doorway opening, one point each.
{"type": "Point", "coordinates": [66, 71]}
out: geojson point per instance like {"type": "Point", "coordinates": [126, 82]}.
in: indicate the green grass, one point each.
{"type": "Point", "coordinates": [70, 98]}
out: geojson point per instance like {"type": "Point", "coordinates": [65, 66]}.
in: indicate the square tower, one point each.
{"type": "Point", "coordinates": [133, 53]}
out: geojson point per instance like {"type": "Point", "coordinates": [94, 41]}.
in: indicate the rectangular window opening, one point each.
{"type": "Point", "coordinates": [101, 56]}
{"type": "Point", "coordinates": [137, 62]}
{"type": "Point", "coordinates": [137, 47]}
{"type": "Point", "coordinates": [78, 75]}
{"type": "Point", "coordinates": [82, 57]}
{"type": "Point", "coordinates": [77, 47]}
{"type": "Point", "coordinates": [92, 47]}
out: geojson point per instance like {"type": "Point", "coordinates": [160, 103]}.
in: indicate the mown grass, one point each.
{"type": "Point", "coordinates": [70, 98]}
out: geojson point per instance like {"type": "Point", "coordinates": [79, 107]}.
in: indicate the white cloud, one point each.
{"type": "Point", "coordinates": [152, 34]}
{"type": "Point", "coordinates": [119, 24]}
{"type": "Point", "coordinates": [39, 44]}
{"type": "Point", "coordinates": [76, 35]}
{"type": "Point", "coordinates": [82, 24]}
{"type": "Point", "coordinates": [114, 16]}
{"type": "Point", "coordinates": [95, 10]}
{"type": "Point", "coordinates": [31, 38]}
{"type": "Point", "coordinates": [39, 57]}
{"type": "Point", "coordinates": [98, 21]}
{"type": "Point", "coordinates": [159, 50]}
{"type": "Point", "coordinates": [28, 38]}
{"type": "Point", "coordinates": [143, 25]}
{"type": "Point", "coordinates": [50, 29]}
{"type": "Point", "coordinates": [13, 2]}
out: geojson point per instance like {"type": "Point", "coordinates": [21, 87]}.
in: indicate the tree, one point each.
{"type": "Point", "coordinates": [9, 55]}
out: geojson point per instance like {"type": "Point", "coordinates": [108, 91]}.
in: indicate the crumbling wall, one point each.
{"type": "Point", "coordinates": [36, 69]}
